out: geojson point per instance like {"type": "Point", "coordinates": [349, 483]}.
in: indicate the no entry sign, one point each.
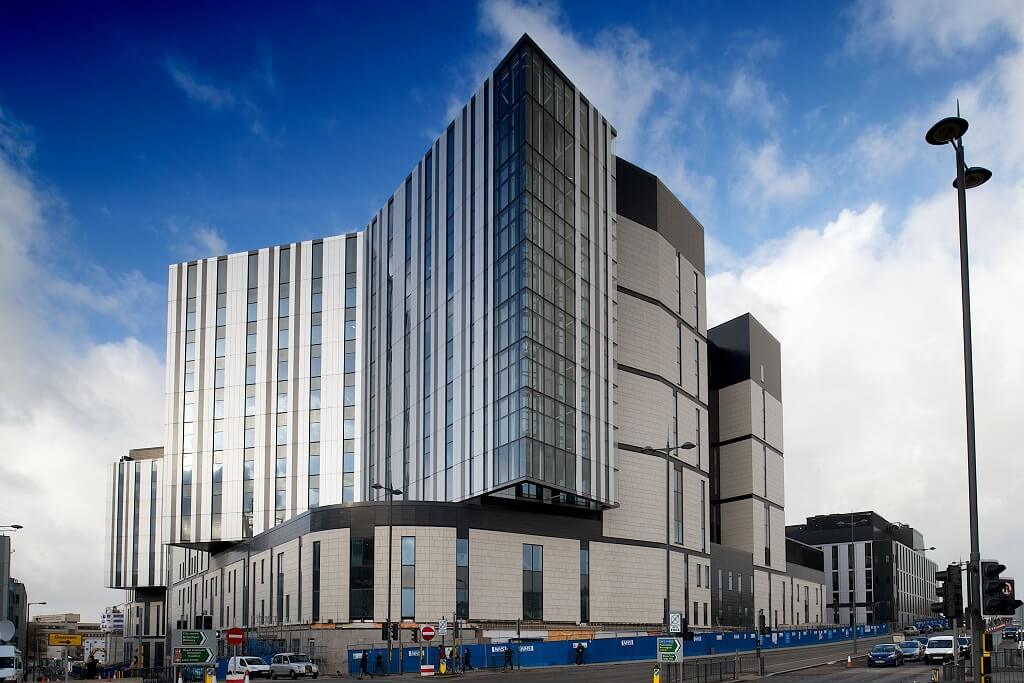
{"type": "Point", "coordinates": [235, 636]}
{"type": "Point", "coordinates": [427, 632]}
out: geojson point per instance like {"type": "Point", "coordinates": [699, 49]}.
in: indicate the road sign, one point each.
{"type": "Point", "coordinates": [195, 638]}
{"type": "Point", "coordinates": [670, 650]}
{"type": "Point", "coordinates": [427, 632]}
{"type": "Point", "coordinates": [442, 626]}
{"type": "Point", "coordinates": [235, 636]}
{"type": "Point", "coordinates": [67, 639]}
{"type": "Point", "coordinates": [193, 656]}
{"type": "Point", "coordinates": [675, 622]}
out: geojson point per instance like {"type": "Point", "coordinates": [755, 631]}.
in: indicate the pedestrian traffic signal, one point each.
{"type": "Point", "coordinates": [415, 635]}
{"type": "Point", "coordinates": [394, 630]}
{"type": "Point", "coordinates": [998, 594]}
{"type": "Point", "coordinates": [951, 591]}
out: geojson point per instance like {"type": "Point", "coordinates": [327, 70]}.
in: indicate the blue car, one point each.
{"type": "Point", "coordinates": [886, 654]}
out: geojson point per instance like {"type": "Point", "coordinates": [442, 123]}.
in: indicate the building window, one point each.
{"type": "Point", "coordinates": [767, 535]}
{"type": "Point", "coordinates": [408, 577]}
{"type": "Point", "coordinates": [533, 582]}
{"type": "Point", "coordinates": [188, 447]}
{"type": "Point", "coordinates": [703, 516]}
{"type": "Point", "coordinates": [315, 338]}
{"type": "Point", "coordinates": [316, 581]}
{"type": "Point", "coordinates": [280, 587]}
{"type": "Point", "coordinates": [283, 324]}
{"type": "Point", "coordinates": [349, 378]}
{"type": "Point", "coordinates": [462, 578]}
{"type": "Point", "coordinates": [584, 585]}
{"type": "Point", "coordinates": [678, 501]}
{"type": "Point", "coordinates": [361, 580]}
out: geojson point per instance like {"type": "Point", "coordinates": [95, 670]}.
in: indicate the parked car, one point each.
{"type": "Point", "coordinates": [254, 666]}
{"type": "Point", "coordinates": [293, 665]}
{"type": "Point", "coordinates": [911, 650]}
{"type": "Point", "coordinates": [925, 628]}
{"type": "Point", "coordinates": [939, 650]}
{"type": "Point", "coordinates": [885, 654]}
{"type": "Point", "coordinates": [923, 640]}
{"type": "Point", "coordinates": [911, 631]}
{"type": "Point", "coordinates": [1011, 632]}
{"type": "Point", "coordinates": [965, 645]}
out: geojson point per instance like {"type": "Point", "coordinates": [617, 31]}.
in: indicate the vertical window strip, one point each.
{"type": "Point", "coordinates": [472, 281]}
{"type": "Point", "coordinates": [584, 585]}
{"type": "Point", "coordinates": [585, 259]}
{"type": "Point", "coordinates": [678, 501]}
{"type": "Point", "coordinates": [462, 578]}
{"type": "Point", "coordinates": [283, 343]}
{"type": "Point", "coordinates": [533, 582]}
{"type": "Point", "coordinates": [388, 379]}
{"type": "Point", "coordinates": [407, 341]}
{"type": "Point", "coordinates": [188, 448]}
{"type": "Point", "coordinates": [249, 408]}
{"type": "Point", "coordinates": [316, 294]}
{"type": "Point", "coordinates": [372, 454]}
{"type": "Point", "coordinates": [348, 465]}
{"type": "Point", "coordinates": [316, 581]}
{"type": "Point", "coordinates": [428, 308]}
{"type": "Point", "coordinates": [220, 350]}
{"type": "Point", "coordinates": [449, 340]}
{"type": "Point", "coordinates": [408, 578]}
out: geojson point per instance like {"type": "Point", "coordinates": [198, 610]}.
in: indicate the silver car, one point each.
{"type": "Point", "coordinates": [293, 665]}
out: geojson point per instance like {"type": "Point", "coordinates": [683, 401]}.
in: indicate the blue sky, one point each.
{"type": "Point", "coordinates": [167, 131]}
{"type": "Point", "coordinates": [134, 136]}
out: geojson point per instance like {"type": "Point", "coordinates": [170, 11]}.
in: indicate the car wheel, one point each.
{"type": "Point", "coordinates": [316, 675]}
{"type": "Point", "coordinates": [294, 675]}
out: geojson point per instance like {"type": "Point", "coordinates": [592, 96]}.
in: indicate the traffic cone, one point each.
{"type": "Point", "coordinates": [849, 662]}
{"type": "Point", "coordinates": [246, 676]}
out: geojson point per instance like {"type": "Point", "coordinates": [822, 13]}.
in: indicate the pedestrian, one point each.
{"type": "Point", "coordinates": [456, 660]}
{"type": "Point", "coordinates": [466, 666]}
{"type": "Point", "coordinates": [378, 664]}
{"type": "Point", "coordinates": [579, 653]}
{"type": "Point", "coordinates": [364, 662]}
{"type": "Point", "coordinates": [508, 659]}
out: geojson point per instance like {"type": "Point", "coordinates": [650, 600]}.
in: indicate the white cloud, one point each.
{"type": "Point", "coordinates": [747, 94]}
{"type": "Point", "coordinates": [68, 404]}
{"type": "Point", "coordinates": [196, 240]}
{"type": "Point", "coordinates": [198, 88]}
{"type": "Point", "coordinates": [867, 308]}
{"type": "Point", "coordinates": [768, 179]}
{"type": "Point", "coordinates": [617, 72]}
{"type": "Point", "coordinates": [934, 31]}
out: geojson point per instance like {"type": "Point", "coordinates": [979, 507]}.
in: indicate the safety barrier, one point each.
{"type": "Point", "coordinates": [603, 650]}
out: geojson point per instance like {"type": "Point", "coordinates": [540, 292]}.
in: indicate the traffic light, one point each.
{"type": "Point", "coordinates": [762, 625]}
{"type": "Point", "coordinates": [950, 591]}
{"type": "Point", "coordinates": [415, 635]}
{"type": "Point", "coordinates": [998, 596]}
{"type": "Point", "coordinates": [385, 631]}
{"type": "Point", "coordinates": [394, 630]}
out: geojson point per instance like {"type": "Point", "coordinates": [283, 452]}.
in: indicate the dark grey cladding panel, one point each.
{"type": "Point", "coordinates": [738, 349]}
{"type": "Point", "coordinates": [491, 514]}
{"type": "Point", "coordinates": [867, 525]}
{"type": "Point", "coordinates": [641, 197]}
{"type": "Point", "coordinates": [804, 555]}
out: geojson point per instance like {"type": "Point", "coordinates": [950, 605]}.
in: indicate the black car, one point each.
{"type": "Point", "coordinates": [1011, 633]}
{"type": "Point", "coordinates": [885, 654]}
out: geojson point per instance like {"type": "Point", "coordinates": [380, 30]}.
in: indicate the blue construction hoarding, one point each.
{"type": "Point", "coordinates": [634, 648]}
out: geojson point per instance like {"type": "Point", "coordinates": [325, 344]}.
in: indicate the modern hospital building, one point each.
{"type": "Point", "coordinates": [516, 343]}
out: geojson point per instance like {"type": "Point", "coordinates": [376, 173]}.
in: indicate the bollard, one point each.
{"type": "Point", "coordinates": [935, 676]}
{"type": "Point", "coordinates": [656, 676]}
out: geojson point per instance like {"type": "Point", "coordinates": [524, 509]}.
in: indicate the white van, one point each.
{"type": "Point", "coordinates": [254, 666]}
{"type": "Point", "coordinates": [12, 666]}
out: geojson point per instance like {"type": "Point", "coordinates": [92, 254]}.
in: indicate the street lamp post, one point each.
{"type": "Point", "coordinates": [391, 493]}
{"type": "Point", "coordinates": [667, 452]}
{"type": "Point", "coordinates": [35, 635]}
{"type": "Point", "coordinates": [950, 130]}
{"type": "Point", "coordinates": [851, 556]}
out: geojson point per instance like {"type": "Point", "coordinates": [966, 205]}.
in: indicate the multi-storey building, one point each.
{"type": "Point", "coordinates": [516, 344]}
{"type": "Point", "coordinates": [136, 557]}
{"type": "Point", "coordinates": [875, 571]}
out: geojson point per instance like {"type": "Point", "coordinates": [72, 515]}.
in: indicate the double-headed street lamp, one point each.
{"type": "Point", "coordinates": [851, 557]}
{"type": "Point", "coordinates": [391, 493]}
{"type": "Point", "coordinates": [666, 452]}
{"type": "Point", "coordinates": [950, 130]}
{"type": "Point", "coordinates": [10, 527]}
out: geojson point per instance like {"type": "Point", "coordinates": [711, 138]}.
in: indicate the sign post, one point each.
{"type": "Point", "coordinates": [194, 647]}
{"type": "Point", "coordinates": [670, 650]}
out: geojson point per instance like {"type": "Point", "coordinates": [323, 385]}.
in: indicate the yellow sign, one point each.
{"type": "Point", "coordinates": [69, 639]}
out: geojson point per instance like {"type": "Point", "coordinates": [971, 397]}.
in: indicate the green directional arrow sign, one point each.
{"type": "Point", "coordinates": [669, 645]}
{"type": "Point", "coordinates": [667, 657]}
{"type": "Point", "coordinates": [193, 655]}
{"type": "Point", "coordinates": [192, 638]}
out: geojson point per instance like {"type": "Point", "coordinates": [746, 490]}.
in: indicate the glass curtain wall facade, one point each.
{"type": "Point", "coordinates": [492, 376]}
